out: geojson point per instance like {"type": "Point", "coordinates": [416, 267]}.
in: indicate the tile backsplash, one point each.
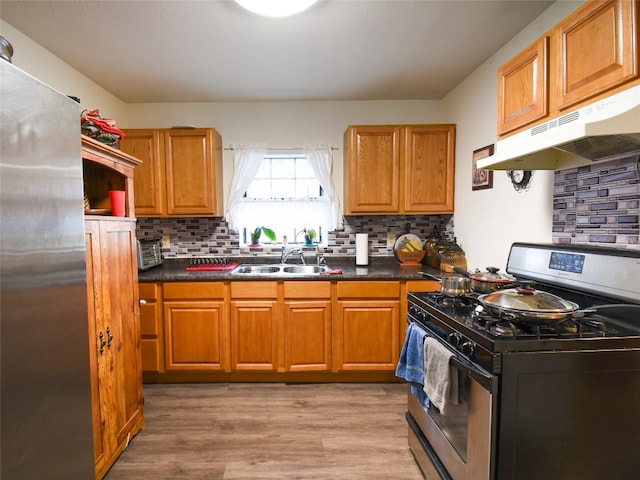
{"type": "Point", "coordinates": [196, 237]}
{"type": "Point", "coordinates": [598, 204]}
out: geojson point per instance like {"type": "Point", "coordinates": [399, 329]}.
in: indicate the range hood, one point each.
{"type": "Point", "coordinates": [608, 129]}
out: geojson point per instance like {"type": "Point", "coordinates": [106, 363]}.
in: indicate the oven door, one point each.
{"type": "Point", "coordinates": [463, 441]}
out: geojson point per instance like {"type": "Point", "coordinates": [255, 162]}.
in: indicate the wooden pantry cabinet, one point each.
{"type": "Point", "coordinates": [181, 173]}
{"type": "Point", "coordinates": [590, 54]}
{"type": "Point", "coordinates": [367, 325]}
{"type": "Point", "coordinates": [113, 309]}
{"type": "Point", "coordinates": [399, 169]}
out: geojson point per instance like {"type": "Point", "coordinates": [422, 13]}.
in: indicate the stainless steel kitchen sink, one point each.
{"type": "Point", "coordinates": [281, 269]}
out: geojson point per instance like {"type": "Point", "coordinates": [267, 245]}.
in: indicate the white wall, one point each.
{"type": "Point", "coordinates": [42, 64]}
{"type": "Point", "coordinates": [488, 221]}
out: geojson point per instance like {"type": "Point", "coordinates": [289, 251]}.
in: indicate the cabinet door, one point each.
{"type": "Point", "coordinates": [366, 336]}
{"type": "Point", "coordinates": [119, 279]}
{"type": "Point", "coordinates": [596, 50]}
{"type": "Point", "coordinates": [254, 335]}
{"type": "Point", "coordinates": [151, 346]}
{"type": "Point", "coordinates": [523, 87]}
{"type": "Point", "coordinates": [112, 288]}
{"type": "Point", "coordinates": [429, 159]}
{"type": "Point", "coordinates": [194, 338]}
{"type": "Point", "coordinates": [97, 349]}
{"type": "Point", "coordinates": [307, 328]}
{"type": "Point", "coordinates": [193, 185]}
{"type": "Point", "coordinates": [372, 169]}
{"type": "Point", "coordinates": [149, 178]}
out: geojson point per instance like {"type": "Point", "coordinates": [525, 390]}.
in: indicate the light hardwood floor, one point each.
{"type": "Point", "coordinates": [271, 431]}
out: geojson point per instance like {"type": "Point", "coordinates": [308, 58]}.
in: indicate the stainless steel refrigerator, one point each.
{"type": "Point", "coordinates": [45, 396]}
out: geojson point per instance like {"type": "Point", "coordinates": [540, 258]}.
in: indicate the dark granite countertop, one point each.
{"type": "Point", "coordinates": [379, 268]}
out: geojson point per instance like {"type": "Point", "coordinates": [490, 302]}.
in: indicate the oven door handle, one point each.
{"type": "Point", "coordinates": [489, 382]}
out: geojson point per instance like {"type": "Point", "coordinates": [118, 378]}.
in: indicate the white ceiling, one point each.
{"type": "Point", "coordinates": [214, 50]}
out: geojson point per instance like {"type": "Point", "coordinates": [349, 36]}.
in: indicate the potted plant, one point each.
{"type": "Point", "coordinates": [309, 236]}
{"type": "Point", "coordinates": [257, 233]}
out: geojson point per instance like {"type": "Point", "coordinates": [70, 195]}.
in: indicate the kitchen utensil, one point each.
{"type": "Point", "coordinates": [489, 281]}
{"type": "Point", "coordinates": [453, 285]}
{"type": "Point", "coordinates": [527, 303]}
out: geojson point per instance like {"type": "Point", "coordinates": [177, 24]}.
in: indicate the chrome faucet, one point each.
{"type": "Point", "coordinates": [285, 255]}
{"type": "Point", "coordinates": [320, 260]}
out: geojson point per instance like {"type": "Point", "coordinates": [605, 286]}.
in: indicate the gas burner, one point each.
{"type": "Point", "coordinates": [455, 302]}
{"type": "Point", "coordinates": [503, 329]}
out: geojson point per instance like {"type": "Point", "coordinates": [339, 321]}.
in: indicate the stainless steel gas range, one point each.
{"type": "Point", "coordinates": [527, 398]}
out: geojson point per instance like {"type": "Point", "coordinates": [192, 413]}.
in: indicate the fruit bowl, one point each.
{"type": "Point", "coordinates": [410, 258]}
{"type": "Point", "coordinates": [408, 249]}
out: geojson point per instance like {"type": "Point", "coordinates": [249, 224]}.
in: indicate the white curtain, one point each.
{"type": "Point", "coordinates": [277, 214]}
{"type": "Point", "coordinates": [246, 163]}
{"type": "Point", "coordinates": [321, 161]}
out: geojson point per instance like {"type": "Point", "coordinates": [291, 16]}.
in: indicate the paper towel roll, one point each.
{"type": "Point", "coordinates": [362, 249]}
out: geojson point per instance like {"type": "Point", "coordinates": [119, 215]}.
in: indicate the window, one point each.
{"type": "Point", "coordinates": [284, 177]}
{"type": "Point", "coordinates": [285, 195]}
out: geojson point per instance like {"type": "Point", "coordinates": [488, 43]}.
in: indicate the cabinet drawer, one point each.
{"type": "Point", "coordinates": [422, 286]}
{"type": "Point", "coordinates": [148, 291]}
{"type": "Point", "coordinates": [254, 289]}
{"type": "Point", "coordinates": [368, 289]}
{"type": "Point", "coordinates": [307, 289]}
{"type": "Point", "coordinates": [186, 290]}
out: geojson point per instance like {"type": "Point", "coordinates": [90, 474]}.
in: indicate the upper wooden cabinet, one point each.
{"type": "Point", "coordinates": [596, 50]}
{"type": "Point", "coordinates": [395, 169]}
{"type": "Point", "coordinates": [181, 173]}
{"type": "Point", "coordinates": [590, 54]}
{"type": "Point", "coordinates": [522, 87]}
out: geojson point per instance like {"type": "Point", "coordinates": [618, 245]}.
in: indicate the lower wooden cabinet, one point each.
{"type": "Point", "coordinates": [254, 326]}
{"type": "Point", "coordinates": [307, 326]}
{"type": "Point", "coordinates": [195, 326]}
{"type": "Point", "coordinates": [366, 335]}
{"type": "Point", "coordinates": [315, 328]}
{"type": "Point", "coordinates": [114, 337]}
{"type": "Point", "coordinates": [151, 347]}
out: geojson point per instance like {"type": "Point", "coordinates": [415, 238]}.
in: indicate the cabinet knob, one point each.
{"type": "Point", "coordinates": [143, 302]}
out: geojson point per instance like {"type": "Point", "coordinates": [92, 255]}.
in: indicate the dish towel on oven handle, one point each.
{"type": "Point", "coordinates": [411, 362]}
{"type": "Point", "coordinates": [440, 378]}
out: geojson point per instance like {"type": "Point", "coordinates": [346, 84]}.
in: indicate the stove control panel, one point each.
{"type": "Point", "coordinates": [599, 270]}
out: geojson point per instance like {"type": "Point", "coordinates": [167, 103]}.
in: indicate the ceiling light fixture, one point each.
{"type": "Point", "coordinates": [276, 8]}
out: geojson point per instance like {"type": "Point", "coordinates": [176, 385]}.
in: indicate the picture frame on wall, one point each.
{"type": "Point", "coordinates": [481, 178]}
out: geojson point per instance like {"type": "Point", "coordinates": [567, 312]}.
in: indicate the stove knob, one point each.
{"type": "Point", "coordinates": [454, 338]}
{"type": "Point", "coordinates": [468, 348]}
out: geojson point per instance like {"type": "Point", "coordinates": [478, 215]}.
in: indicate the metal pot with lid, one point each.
{"type": "Point", "coordinates": [527, 303]}
{"type": "Point", "coordinates": [489, 281]}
